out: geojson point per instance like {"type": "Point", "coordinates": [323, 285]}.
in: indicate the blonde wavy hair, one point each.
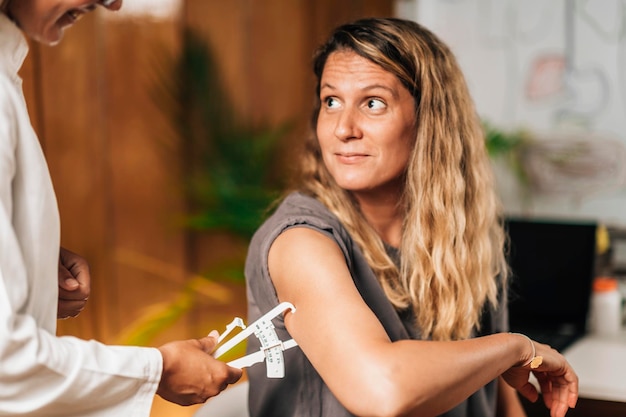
{"type": "Point", "coordinates": [452, 260]}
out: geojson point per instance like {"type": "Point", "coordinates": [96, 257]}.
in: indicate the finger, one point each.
{"type": "Point", "coordinates": [559, 398]}
{"type": "Point", "coordinates": [80, 273]}
{"type": "Point", "coordinates": [70, 309]}
{"type": "Point", "coordinates": [73, 289]}
{"type": "Point", "coordinates": [572, 391]}
{"type": "Point", "coordinates": [74, 266]}
{"type": "Point", "coordinates": [73, 302]}
{"type": "Point", "coordinates": [67, 280]}
{"type": "Point", "coordinates": [564, 397]}
{"type": "Point", "coordinates": [234, 374]}
{"type": "Point", "coordinates": [529, 392]}
{"type": "Point", "coordinates": [546, 388]}
{"type": "Point", "coordinates": [572, 398]}
{"type": "Point", "coordinates": [77, 294]}
{"type": "Point", "coordinates": [67, 314]}
{"type": "Point", "coordinates": [559, 409]}
{"type": "Point", "coordinates": [208, 343]}
{"type": "Point", "coordinates": [69, 284]}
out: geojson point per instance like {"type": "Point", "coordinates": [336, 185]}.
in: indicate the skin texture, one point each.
{"type": "Point", "coordinates": [365, 129]}
{"type": "Point", "coordinates": [190, 374]}
{"type": "Point", "coordinates": [46, 20]}
{"type": "Point", "coordinates": [189, 377]}
{"type": "Point", "coordinates": [74, 284]}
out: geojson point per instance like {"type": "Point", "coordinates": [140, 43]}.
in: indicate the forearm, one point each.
{"type": "Point", "coordinates": [369, 374]}
{"type": "Point", "coordinates": [428, 378]}
{"type": "Point", "coordinates": [44, 373]}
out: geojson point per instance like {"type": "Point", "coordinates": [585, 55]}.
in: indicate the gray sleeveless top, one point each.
{"type": "Point", "coordinates": [302, 393]}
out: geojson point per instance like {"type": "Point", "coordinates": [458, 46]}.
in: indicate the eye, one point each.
{"type": "Point", "coordinates": [331, 102]}
{"type": "Point", "coordinates": [376, 104]}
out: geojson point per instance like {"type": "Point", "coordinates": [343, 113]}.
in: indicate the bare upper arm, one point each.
{"type": "Point", "coordinates": [350, 349]}
{"type": "Point", "coordinates": [332, 324]}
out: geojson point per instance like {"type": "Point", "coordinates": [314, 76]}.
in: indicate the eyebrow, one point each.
{"type": "Point", "coordinates": [370, 87]}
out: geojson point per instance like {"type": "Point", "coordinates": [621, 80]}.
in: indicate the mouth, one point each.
{"type": "Point", "coordinates": [350, 154]}
{"type": "Point", "coordinates": [71, 17]}
{"type": "Point", "coordinates": [350, 157]}
{"type": "Point", "coordinates": [74, 14]}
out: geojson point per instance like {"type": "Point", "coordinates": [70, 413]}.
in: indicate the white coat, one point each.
{"type": "Point", "coordinates": [42, 374]}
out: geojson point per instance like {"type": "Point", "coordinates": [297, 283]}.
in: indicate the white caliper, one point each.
{"type": "Point", "coordinates": [272, 347]}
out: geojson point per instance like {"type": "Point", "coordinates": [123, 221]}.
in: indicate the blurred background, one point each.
{"type": "Point", "coordinates": [168, 128]}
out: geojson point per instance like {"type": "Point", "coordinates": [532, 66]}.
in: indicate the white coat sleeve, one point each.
{"type": "Point", "coordinates": [42, 374]}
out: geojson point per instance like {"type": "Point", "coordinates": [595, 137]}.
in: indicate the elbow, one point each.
{"type": "Point", "coordinates": [386, 407]}
{"type": "Point", "coordinates": [388, 397]}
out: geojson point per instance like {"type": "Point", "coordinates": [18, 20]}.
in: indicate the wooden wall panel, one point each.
{"type": "Point", "coordinates": [275, 51]}
{"type": "Point", "coordinates": [224, 25]}
{"type": "Point", "coordinates": [71, 128]}
{"type": "Point", "coordinates": [144, 201]}
{"type": "Point", "coordinates": [117, 196]}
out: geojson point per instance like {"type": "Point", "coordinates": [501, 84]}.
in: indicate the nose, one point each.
{"type": "Point", "coordinates": [347, 127]}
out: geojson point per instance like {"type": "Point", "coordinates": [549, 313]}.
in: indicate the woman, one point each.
{"type": "Point", "coordinates": [391, 249]}
{"type": "Point", "coordinates": [41, 374]}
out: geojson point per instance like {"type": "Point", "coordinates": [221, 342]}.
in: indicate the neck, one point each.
{"type": "Point", "coordinates": [384, 214]}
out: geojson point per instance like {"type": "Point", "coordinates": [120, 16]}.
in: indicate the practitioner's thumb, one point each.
{"type": "Point", "coordinates": [208, 342]}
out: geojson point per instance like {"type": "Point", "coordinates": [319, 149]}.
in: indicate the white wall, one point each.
{"type": "Point", "coordinates": [556, 68]}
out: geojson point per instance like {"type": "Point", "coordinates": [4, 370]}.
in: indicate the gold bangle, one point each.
{"type": "Point", "coordinates": [534, 361]}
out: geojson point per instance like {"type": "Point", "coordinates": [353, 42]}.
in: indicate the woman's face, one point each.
{"type": "Point", "coordinates": [366, 124]}
{"type": "Point", "coordinates": [45, 20]}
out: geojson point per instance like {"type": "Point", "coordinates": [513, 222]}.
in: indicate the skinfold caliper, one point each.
{"type": "Point", "coordinates": [272, 347]}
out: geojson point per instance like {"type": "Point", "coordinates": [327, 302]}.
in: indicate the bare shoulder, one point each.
{"type": "Point", "coordinates": [305, 264]}
{"type": "Point", "coordinates": [296, 239]}
{"type": "Point", "coordinates": [300, 253]}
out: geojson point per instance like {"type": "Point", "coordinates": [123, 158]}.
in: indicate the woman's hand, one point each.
{"type": "Point", "coordinates": [557, 380]}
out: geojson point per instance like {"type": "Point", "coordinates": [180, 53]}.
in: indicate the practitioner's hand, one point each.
{"type": "Point", "coordinates": [557, 380]}
{"type": "Point", "coordinates": [190, 374]}
{"type": "Point", "coordinates": [74, 284]}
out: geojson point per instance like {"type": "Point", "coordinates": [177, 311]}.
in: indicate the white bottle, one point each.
{"type": "Point", "coordinates": [605, 308]}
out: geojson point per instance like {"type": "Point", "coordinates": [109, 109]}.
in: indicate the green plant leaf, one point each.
{"type": "Point", "coordinates": [231, 168]}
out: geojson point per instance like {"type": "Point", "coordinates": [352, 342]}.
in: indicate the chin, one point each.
{"type": "Point", "coordinates": [354, 183]}
{"type": "Point", "coordinates": [50, 38]}
{"type": "Point", "coordinates": [51, 41]}
{"type": "Point", "coordinates": [54, 43]}
{"type": "Point", "coordinates": [353, 187]}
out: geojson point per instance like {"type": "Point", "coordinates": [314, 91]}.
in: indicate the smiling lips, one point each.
{"type": "Point", "coordinates": [350, 157]}
{"type": "Point", "coordinates": [70, 17]}
{"type": "Point", "coordinates": [74, 14]}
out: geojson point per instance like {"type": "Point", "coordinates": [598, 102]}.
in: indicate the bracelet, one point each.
{"type": "Point", "coordinates": [534, 361]}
